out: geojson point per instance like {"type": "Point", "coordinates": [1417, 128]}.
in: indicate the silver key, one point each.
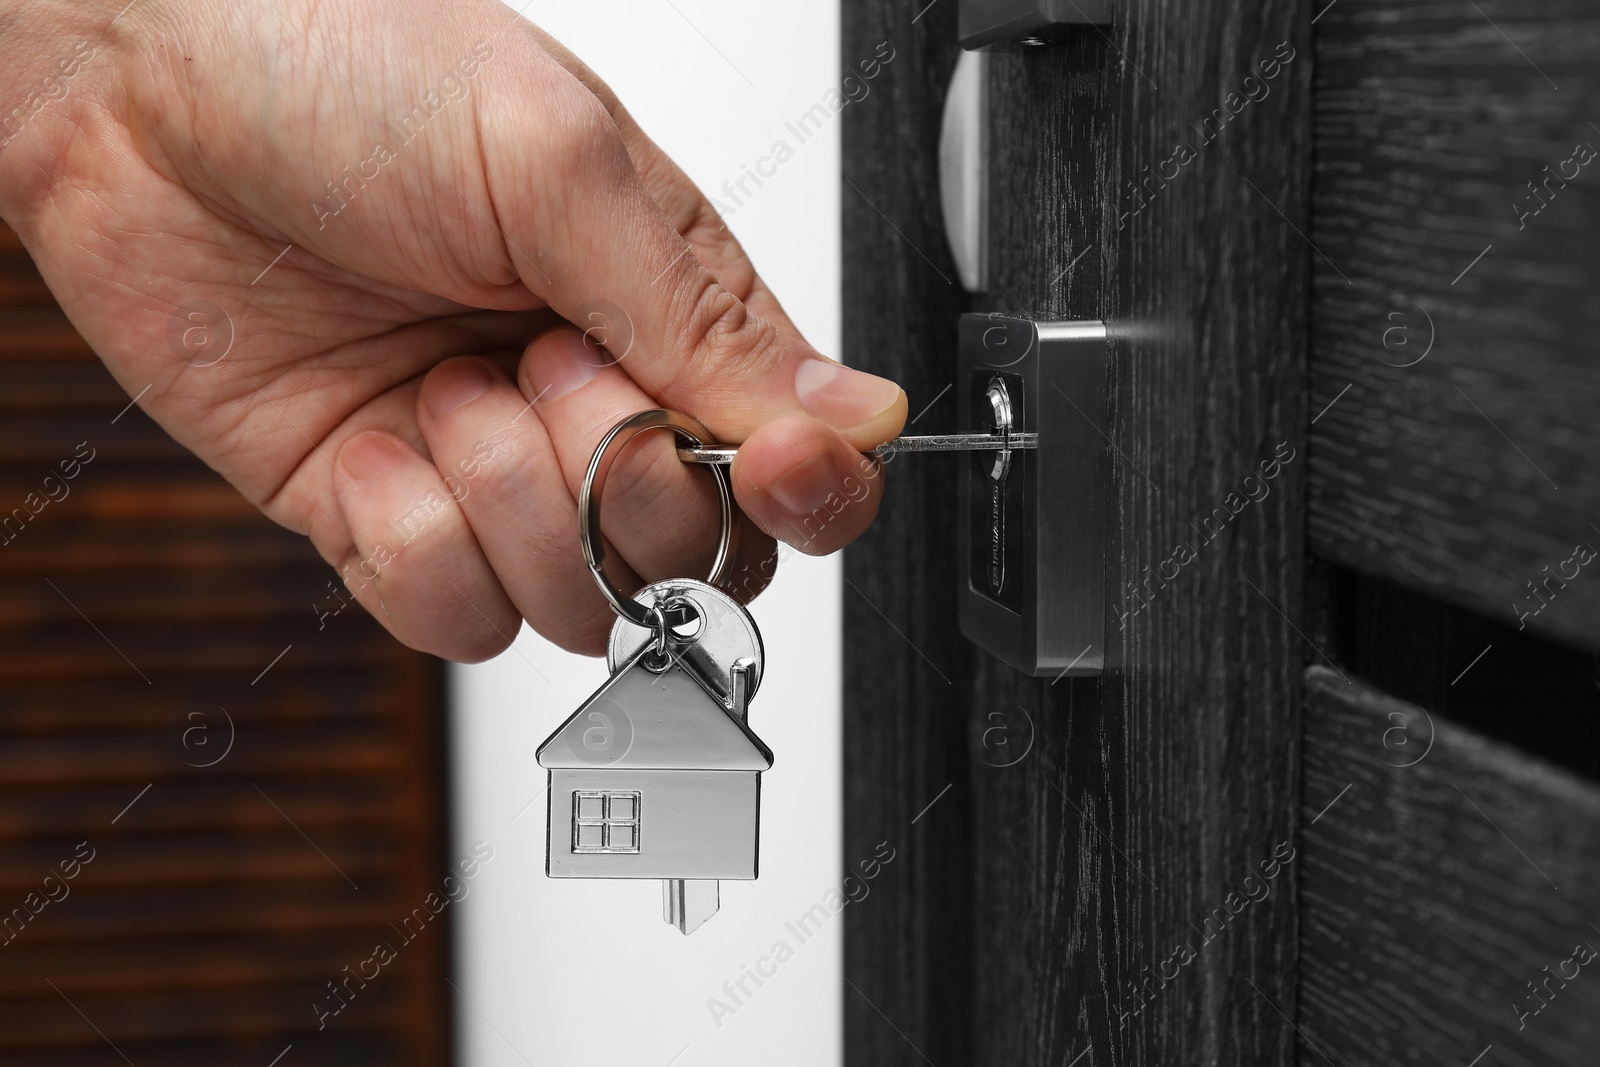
{"type": "Point", "coordinates": [1000, 404]}
{"type": "Point", "coordinates": [941, 442]}
{"type": "Point", "coordinates": [657, 775]}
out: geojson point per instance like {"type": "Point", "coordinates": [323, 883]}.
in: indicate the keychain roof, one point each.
{"type": "Point", "coordinates": [691, 729]}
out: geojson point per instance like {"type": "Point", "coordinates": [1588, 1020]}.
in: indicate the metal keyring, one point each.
{"type": "Point", "coordinates": [594, 481]}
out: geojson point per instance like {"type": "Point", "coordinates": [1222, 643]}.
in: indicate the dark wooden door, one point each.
{"type": "Point", "coordinates": [1327, 803]}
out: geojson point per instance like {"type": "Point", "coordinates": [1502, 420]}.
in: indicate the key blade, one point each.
{"type": "Point", "coordinates": [688, 902]}
{"type": "Point", "coordinates": [943, 442]}
{"type": "Point", "coordinates": [958, 442]}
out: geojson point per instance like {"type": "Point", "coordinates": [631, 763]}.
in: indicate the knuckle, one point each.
{"type": "Point", "coordinates": [719, 335]}
{"type": "Point", "coordinates": [642, 480]}
{"type": "Point", "coordinates": [495, 463]}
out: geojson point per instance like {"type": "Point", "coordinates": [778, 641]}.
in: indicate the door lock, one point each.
{"type": "Point", "coordinates": [1032, 560]}
{"type": "Point", "coordinates": [1000, 425]}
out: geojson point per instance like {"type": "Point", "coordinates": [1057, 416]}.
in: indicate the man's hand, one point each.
{"type": "Point", "coordinates": [324, 234]}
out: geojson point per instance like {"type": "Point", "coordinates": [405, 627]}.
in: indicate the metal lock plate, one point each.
{"type": "Point", "coordinates": [1024, 23]}
{"type": "Point", "coordinates": [1032, 559]}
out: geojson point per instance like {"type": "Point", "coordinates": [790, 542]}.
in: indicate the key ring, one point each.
{"type": "Point", "coordinates": [594, 480]}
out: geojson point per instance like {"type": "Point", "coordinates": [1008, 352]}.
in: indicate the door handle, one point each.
{"type": "Point", "coordinates": [964, 170]}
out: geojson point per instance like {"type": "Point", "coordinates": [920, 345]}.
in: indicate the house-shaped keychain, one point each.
{"type": "Point", "coordinates": [656, 776]}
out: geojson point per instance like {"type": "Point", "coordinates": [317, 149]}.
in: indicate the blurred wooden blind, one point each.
{"type": "Point", "coordinates": [258, 792]}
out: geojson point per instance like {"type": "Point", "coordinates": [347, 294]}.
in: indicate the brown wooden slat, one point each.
{"type": "Point", "coordinates": [180, 963]}
{"type": "Point", "coordinates": [269, 855]}
{"type": "Point", "coordinates": [43, 440]}
{"type": "Point", "coordinates": [327, 1050]}
{"type": "Point", "coordinates": [344, 749]}
{"type": "Point", "coordinates": [187, 595]}
{"type": "Point", "coordinates": [1444, 475]}
{"type": "Point", "coordinates": [152, 915]}
{"type": "Point", "coordinates": [39, 331]}
{"type": "Point", "coordinates": [196, 804]}
{"type": "Point", "coordinates": [48, 1020]}
{"type": "Point", "coordinates": [20, 285]}
{"type": "Point", "coordinates": [170, 651]}
{"type": "Point", "coordinates": [132, 497]}
{"type": "Point", "coordinates": [34, 386]}
{"type": "Point", "coordinates": [1430, 891]}
{"type": "Point", "coordinates": [156, 542]}
{"type": "Point", "coordinates": [198, 700]}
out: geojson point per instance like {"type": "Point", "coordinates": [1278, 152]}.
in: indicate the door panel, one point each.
{"type": "Point", "coordinates": [1453, 309]}
{"type": "Point", "coordinates": [1454, 385]}
{"type": "Point", "coordinates": [1442, 871]}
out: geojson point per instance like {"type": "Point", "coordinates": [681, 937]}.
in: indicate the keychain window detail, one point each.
{"type": "Point", "coordinates": [605, 821]}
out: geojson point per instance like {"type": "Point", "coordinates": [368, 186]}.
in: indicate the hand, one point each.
{"type": "Point", "coordinates": [342, 242]}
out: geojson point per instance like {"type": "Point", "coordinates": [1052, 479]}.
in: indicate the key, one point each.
{"type": "Point", "coordinates": [941, 442]}
{"type": "Point", "coordinates": [658, 775]}
{"type": "Point", "coordinates": [1000, 404]}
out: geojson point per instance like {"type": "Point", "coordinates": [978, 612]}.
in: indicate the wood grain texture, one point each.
{"type": "Point", "coordinates": [909, 979]}
{"type": "Point", "coordinates": [1444, 475]}
{"type": "Point", "coordinates": [1434, 887]}
{"type": "Point", "coordinates": [255, 831]}
{"type": "Point", "coordinates": [1038, 896]}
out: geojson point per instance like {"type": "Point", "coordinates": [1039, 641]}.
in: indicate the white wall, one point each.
{"type": "Point", "coordinates": [586, 972]}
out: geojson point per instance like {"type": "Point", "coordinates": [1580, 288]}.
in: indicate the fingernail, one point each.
{"type": "Point", "coordinates": [370, 455]}
{"type": "Point", "coordinates": [560, 362]}
{"type": "Point", "coordinates": [807, 486]}
{"type": "Point", "coordinates": [841, 397]}
{"type": "Point", "coordinates": [455, 384]}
